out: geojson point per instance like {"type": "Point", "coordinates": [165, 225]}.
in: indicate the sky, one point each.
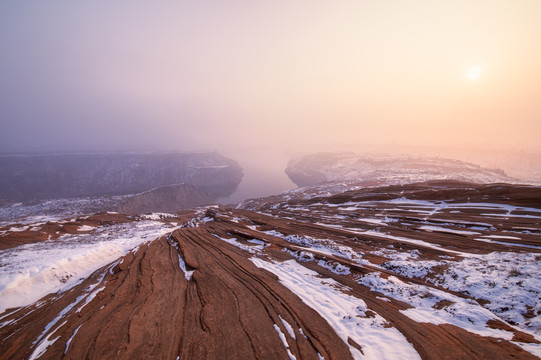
{"type": "Point", "coordinates": [269, 78]}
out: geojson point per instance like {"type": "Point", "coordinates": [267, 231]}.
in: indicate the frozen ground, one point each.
{"type": "Point", "coordinates": [346, 314]}
{"type": "Point", "coordinates": [52, 210]}
{"type": "Point", "coordinates": [30, 271]}
{"type": "Point", "coordinates": [389, 278]}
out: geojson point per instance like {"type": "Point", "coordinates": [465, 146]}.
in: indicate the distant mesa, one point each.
{"type": "Point", "coordinates": [375, 170]}
{"type": "Point", "coordinates": [208, 174]}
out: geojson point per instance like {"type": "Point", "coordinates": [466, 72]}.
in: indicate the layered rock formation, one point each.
{"type": "Point", "coordinates": [441, 270]}
{"type": "Point", "coordinates": [83, 175]}
{"type": "Point", "coordinates": [372, 170]}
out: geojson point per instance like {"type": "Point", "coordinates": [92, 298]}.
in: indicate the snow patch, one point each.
{"type": "Point", "coordinates": [288, 327]}
{"type": "Point", "coordinates": [284, 341]}
{"type": "Point", "coordinates": [187, 274]}
{"type": "Point", "coordinates": [71, 338]}
{"type": "Point", "coordinates": [346, 314]}
{"type": "Point", "coordinates": [86, 228]}
{"type": "Point", "coordinates": [29, 272]}
{"type": "Point", "coordinates": [446, 230]}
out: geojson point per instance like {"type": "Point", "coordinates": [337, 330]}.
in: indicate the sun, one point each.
{"type": "Point", "coordinates": [474, 72]}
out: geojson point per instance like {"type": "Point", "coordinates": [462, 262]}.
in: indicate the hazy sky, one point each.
{"type": "Point", "coordinates": [231, 75]}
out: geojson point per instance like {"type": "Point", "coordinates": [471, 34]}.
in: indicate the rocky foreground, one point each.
{"type": "Point", "coordinates": [428, 271]}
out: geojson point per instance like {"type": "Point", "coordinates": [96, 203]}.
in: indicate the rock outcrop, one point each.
{"type": "Point", "coordinates": [169, 198]}
{"type": "Point", "coordinates": [433, 271]}
{"type": "Point", "coordinates": [90, 175]}
{"type": "Point", "coordinates": [374, 170]}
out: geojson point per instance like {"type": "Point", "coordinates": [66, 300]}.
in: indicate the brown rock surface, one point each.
{"type": "Point", "coordinates": [193, 295]}
{"type": "Point", "coordinates": [14, 235]}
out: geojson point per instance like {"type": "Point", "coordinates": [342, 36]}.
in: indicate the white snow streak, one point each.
{"type": "Point", "coordinates": [31, 271]}
{"type": "Point", "coordinates": [284, 341]}
{"type": "Point", "coordinates": [345, 313]}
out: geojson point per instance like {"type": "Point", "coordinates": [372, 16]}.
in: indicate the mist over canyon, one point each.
{"type": "Point", "coordinates": [28, 177]}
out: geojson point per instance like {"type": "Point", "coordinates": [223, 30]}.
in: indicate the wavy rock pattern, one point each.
{"type": "Point", "coordinates": [220, 287]}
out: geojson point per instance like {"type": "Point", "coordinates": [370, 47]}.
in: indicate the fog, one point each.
{"type": "Point", "coordinates": [264, 81]}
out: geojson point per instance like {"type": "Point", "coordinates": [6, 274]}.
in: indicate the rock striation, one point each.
{"type": "Point", "coordinates": [439, 270]}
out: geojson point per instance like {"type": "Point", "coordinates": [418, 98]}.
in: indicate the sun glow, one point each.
{"type": "Point", "coordinates": [474, 72]}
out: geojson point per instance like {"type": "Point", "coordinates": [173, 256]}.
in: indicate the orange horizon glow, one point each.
{"type": "Point", "coordinates": [461, 74]}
